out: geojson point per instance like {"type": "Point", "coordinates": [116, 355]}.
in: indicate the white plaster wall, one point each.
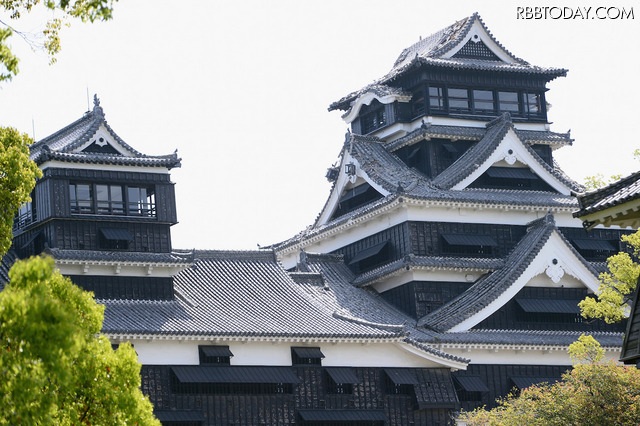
{"type": "Point", "coordinates": [420, 275]}
{"type": "Point", "coordinates": [173, 352]}
{"type": "Point", "coordinates": [521, 357]}
{"type": "Point", "coordinates": [166, 352]}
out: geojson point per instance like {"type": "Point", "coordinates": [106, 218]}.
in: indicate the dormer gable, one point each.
{"type": "Point", "coordinates": [542, 258]}
{"type": "Point", "coordinates": [474, 42]}
{"type": "Point", "coordinates": [352, 188]}
{"type": "Point", "coordinates": [501, 154]}
{"type": "Point", "coordinates": [103, 142]}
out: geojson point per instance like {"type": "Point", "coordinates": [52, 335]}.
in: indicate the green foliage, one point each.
{"type": "Point", "coordinates": [586, 349]}
{"type": "Point", "coordinates": [84, 10]}
{"type": "Point", "coordinates": [616, 285]}
{"type": "Point", "coordinates": [55, 367]}
{"type": "Point", "coordinates": [17, 179]}
{"type": "Point", "coordinates": [589, 394]}
{"type": "Point", "coordinates": [598, 181]}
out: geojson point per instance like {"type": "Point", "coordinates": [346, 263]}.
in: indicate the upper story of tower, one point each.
{"type": "Point", "coordinates": [97, 193]}
{"type": "Point", "coordinates": [460, 75]}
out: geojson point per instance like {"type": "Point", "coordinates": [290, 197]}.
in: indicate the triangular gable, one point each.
{"type": "Point", "coordinates": [476, 49]}
{"type": "Point", "coordinates": [478, 43]}
{"type": "Point", "coordinates": [350, 176]}
{"type": "Point", "coordinates": [543, 250]}
{"type": "Point", "coordinates": [501, 146]}
{"type": "Point", "coordinates": [103, 141]}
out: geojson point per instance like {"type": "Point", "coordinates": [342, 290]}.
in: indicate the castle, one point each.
{"type": "Point", "coordinates": [443, 271]}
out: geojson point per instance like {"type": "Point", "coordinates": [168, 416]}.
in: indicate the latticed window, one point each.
{"type": "Point", "coordinates": [373, 120]}
{"type": "Point", "coordinates": [476, 49]}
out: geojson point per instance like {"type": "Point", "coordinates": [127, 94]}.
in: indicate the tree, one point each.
{"type": "Point", "coordinates": [55, 366]}
{"type": "Point", "coordinates": [592, 393]}
{"type": "Point", "coordinates": [17, 179]}
{"type": "Point", "coordinates": [616, 285]}
{"type": "Point", "coordinates": [49, 39]}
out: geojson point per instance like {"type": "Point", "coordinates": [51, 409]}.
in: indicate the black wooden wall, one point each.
{"type": "Point", "coordinates": [126, 288]}
{"type": "Point", "coordinates": [418, 298]}
{"type": "Point", "coordinates": [281, 409]}
{"type": "Point", "coordinates": [497, 379]}
{"type": "Point", "coordinates": [511, 316]}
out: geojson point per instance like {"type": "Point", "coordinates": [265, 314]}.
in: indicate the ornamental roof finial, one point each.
{"type": "Point", "coordinates": [97, 109]}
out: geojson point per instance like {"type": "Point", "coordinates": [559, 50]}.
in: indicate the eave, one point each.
{"type": "Point", "coordinates": [626, 215]}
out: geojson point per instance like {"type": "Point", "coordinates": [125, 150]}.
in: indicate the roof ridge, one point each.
{"type": "Point", "coordinates": [473, 157]}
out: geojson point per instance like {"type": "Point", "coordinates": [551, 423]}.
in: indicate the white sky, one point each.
{"type": "Point", "coordinates": [241, 89]}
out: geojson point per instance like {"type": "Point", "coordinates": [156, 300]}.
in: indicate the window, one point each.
{"type": "Point", "coordinates": [109, 199]}
{"type": "Point", "coordinates": [115, 238]}
{"type": "Point", "coordinates": [373, 120]}
{"type": "Point", "coordinates": [25, 216]}
{"type": "Point", "coordinates": [306, 356]}
{"type": "Point", "coordinates": [483, 100]}
{"type": "Point", "coordinates": [418, 106]}
{"type": "Point", "coordinates": [458, 99]}
{"type": "Point", "coordinates": [81, 198]}
{"type": "Point", "coordinates": [215, 354]}
{"type": "Point", "coordinates": [508, 101]}
{"type": "Point", "coordinates": [533, 103]}
{"type": "Point", "coordinates": [469, 244]}
{"type": "Point", "coordinates": [340, 380]}
{"type": "Point", "coordinates": [142, 201]}
{"type": "Point", "coordinates": [436, 98]}
{"type": "Point", "coordinates": [371, 256]}
{"type": "Point", "coordinates": [470, 388]}
{"type": "Point", "coordinates": [399, 381]}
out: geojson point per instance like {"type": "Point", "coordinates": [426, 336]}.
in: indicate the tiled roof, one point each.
{"type": "Point", "coordinates": [62, 145]}
{"type": "Point", "coordinates": [436, 262]}
{"type": "Point", "coordinates": [491, 286]}
{"type": "Point", "coordinates": [238, 294]}
{"type": "Point", "coordinates": [528, 337]}
{"type": "Point", "coordinates": [475, 156]}
{"type": "Point", "coordinates": [619, 192]}
{"type": "Point", "coordinates": [430, 51]}
{"type": "Point", "coordinates": [470, 133]}
{"type": "Point", "coordinates": [382, 90]}
{"type": "Point", "coordinates": [169, 161]}
{"type": "Point", "coordinates": [365, 304]}
{"type": "Point", "coordinates": [481, 197]}
{"type": "Point", "coordinates": [174, 257]}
